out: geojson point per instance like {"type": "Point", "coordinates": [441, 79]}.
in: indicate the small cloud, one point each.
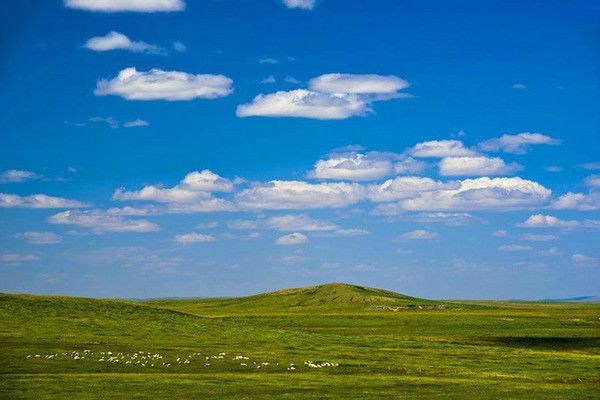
{"type": "Point", "coordinates": [419, 234]}
{"type": "Point", "coordinates": [136, 123]}
{"type": "Point", "coordinates": [362, 267]}
{"type": "Point", "coordinates": [17, 259]}
{"type": "Point", "coordinates": [38, 201]}
{"type": "Point", "coordinates": [517, 144]}
{"type": "Point", "coordinates": [118, 41]}
{"type": "Point", "coordinates": [292, 80]}
{"type": "Point", "coordinates": [269, 79]}
{"type": "Point", "coordinates": [179, 47]}
{"type": "Point", "coordinates": [519, 86]}
{"type": "Point", "coordinates": [208, 225]}
{"type": "Point", "coordinates": [537, 238]}
{"type": "Point", "coordinates": [553, 168]}
{"type": "Point", "coordinates": [242, 224]}
{"type": "Point", "coordinates": [292, 239]}
{"type": "Point", "coordinates": [113, 123]}
{"type": "Point", "coordinates": [301, 4]}
{"type": "Point", "coordinates": [145, 6]}
{"type": "Point", "coordinates": [551, 252]}
{"type": "Point", "coordinates": [500, 233]}
{"type": "Point", "coordinates": [268, 60]}
{"type": "Point", "coordinates": [194, 237]}
{"type": "Point", "coordinates": [17, 176]}
{"type": "Point", "coordinates": [514, 248]}
{"type": "Point", "coordinates": [593, 166]}
{"type": "Point", "coordinates": [582, 259]}
{"type": "Point", "coordinates": [39, 237]}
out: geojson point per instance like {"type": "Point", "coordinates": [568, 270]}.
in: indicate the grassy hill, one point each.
{"type": "Point", "coordinates": [327, 298]}
{"type": "Point", "coordinates": [325, 342]}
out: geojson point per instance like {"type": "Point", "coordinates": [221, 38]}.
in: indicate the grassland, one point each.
{"type": "Point", "coordinates": [361, 344]}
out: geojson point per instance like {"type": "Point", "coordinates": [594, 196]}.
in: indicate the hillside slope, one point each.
{"type": "Point", "coordinates": [331, 297]}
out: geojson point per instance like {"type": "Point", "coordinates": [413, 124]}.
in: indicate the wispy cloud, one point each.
{"type": "Point", "coordinates": [146, 6]}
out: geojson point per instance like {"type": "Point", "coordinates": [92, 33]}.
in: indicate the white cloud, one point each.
{"type": "Point", "coordinates": [450, 219]}
{"type": "Point", "coordinates": [292, 239]}
{"type": "Point", "coordinates": [537, 238]}
{"type": "Point", "coordinates": [40, 237]}
{"type": "Point", "coordinates": [208, 225]}
{"type": "Point", "coordinates": [136, 123]}
{"type": "Point", "coordinates": [592, 166]}
{"type": "Point", "coordinates": [194, 237]}
{"type": "Point", "coordinates": [553, 168]}
{"type": "Point", "coordinates": [148, 6]}
{"type": "Point", "coordinates": [17, 259]}
{"type": "Point", "coordinates": [357, 84]}
{"type": "Point", "coordinates": [129, 211]}
{"type": "Point", "coordinates": [582, 259]}
{"type": "Point", "coordinates": [196, 187]}
{"type": "Point", "coordinates": [38, 201]}
{"type": "Point", "coordinates": [409, 166]}
{"type": "Point", "coordinates": [440, 149]}
{"type": "Point", "coordinates": [99, 221]}
{"type": "Point", "coordinates": [300, 222]}
{"type": "Point", "coordinates": [242, 224]}
{"type": "Point", "coordinates": [500, 233]}
{"type": "Point", "coordinates": [201, 206]}
{"type": "Point", "coordinates": [404, 187]}
{"type": "Point", "coordinates": [592, 180]}
{"type": "Point", "coordinates": [268, 60]}
{"type": "Point", "coordinates": [269, 79]}
{"type": "Point", "coordinates": [118, 41]}
{"type": "Point", "coordinates": [157, 84]}
{"type": "Point", "coordinates": [519, 86]}
{"type": "Point", "coordinates": [548, 221]}
{"type": "Point", "coordinates": [345, 233]}
{"type": "Point", "coordinates": [352, 166]}
{"type": "Point", "coordinates": [330, 96]}
{"type": "Point", "coordinates": [551, 252]}
{"type": "Point", "coordinates": [578, 201]}
{"type": "Point", "coordinates": [517, 144]}
{"type": "Point", "coordinates": [419, 234]}
{"type": "Point", "coordinates": [476, 166]}
{"type": "Point", "coordinates": [304, 104]}
{"type": "Point", "coordinates": [514, 248]}
{"type": "Point", "coordinates": [179, 47]}
{"type": "Point", "coordinates": [16, 176]}
{"type": "Point", "coordinates": [278, 195]}
{"type": "Point", "coordinates": [302, 4]}
{"type": "Point", "coordinates": [476, 194]}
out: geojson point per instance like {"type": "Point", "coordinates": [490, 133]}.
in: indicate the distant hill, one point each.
{"type": "Point", "coordinates": [331, 297]}
{"type": "Point", "coordinates": [579, 299]}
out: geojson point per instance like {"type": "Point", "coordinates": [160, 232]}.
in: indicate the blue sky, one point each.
{"type": "Point", "coordinates": [210, 148]}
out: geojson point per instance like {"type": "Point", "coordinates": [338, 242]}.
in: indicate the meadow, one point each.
{"type": "Point", "coordinates": [332, 341]}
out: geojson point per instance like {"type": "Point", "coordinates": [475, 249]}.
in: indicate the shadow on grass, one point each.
{"type": "Point", "coordinates": [547, 343]}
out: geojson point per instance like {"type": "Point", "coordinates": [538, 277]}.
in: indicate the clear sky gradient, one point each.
{"type": "Point", "coordinates": [212, 148]}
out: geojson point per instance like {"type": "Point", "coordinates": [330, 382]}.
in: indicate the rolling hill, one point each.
{"type": "Point", "coordinates": [326, 298]}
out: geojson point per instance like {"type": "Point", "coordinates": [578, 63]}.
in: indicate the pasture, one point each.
{"type": "Point", "coordinates": [326, 342]}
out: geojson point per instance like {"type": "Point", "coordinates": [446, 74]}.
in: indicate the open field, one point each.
{"type": "Point", "coordinates": [331, 341]}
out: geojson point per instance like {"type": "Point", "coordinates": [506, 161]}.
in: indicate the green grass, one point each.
{"type": "Point", "coordinates": [461, 350]}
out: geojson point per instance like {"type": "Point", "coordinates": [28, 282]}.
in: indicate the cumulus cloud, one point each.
{"type": "Point", "coordinates": [514, 248]}
{"type": "Point", "coordinates": [419, 234]}
{"type": "Point", "coordinates": [578, 201]}
{"type": "Point", "coordinates": [148, 6]}
{"type": "Point", "coordinates": [99, 221]}
{"type": "Point", "coordinates": [409, 166]}
{"type": "Point", "coordinates": [157, 84]}
{"type": "Point", "coordinates": [550, 221]}
{"type": "Point", "coordinates": [404, 187]}
{"type": "Point", "coordinates": [302, 4]}
{"type": "Point", "coordinates": [118, 41]}
{"type": "Point", "coordinates": [17, 176]}
{"type": "Point", "coordinates": [330, 96]}
{"type": "Point", "coordinates": [358, 84]}
{"type": "Point", "coordinates": [305, 104]}
{"type": "Point", "coordinates": [196, 186]}
{"type": "Point", "coordinates": [440, 149]}
{"type": "Point", "coordinates": [292, 239]}
{"type": "Point", "coordinates": [517, 144]}
{"type": "Point", "coordinates": [469, 194]}
{"type": "Point", "coordinates": [301, 222]}
{"type": "Point", "coordinates": [352, 166]}
{"type": "Point", "coordinates": [278, 195]}
{"type": "Point", "coordinates": [592, 180]}
{"type": "Point", "coordinates": [40, 237]}
{"type": "Point", "coordinates": [476, 166]}
{"type": "Point", "coordinates": [38, 201]}
{"type": "Point", "coordinates": [194, 237]}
